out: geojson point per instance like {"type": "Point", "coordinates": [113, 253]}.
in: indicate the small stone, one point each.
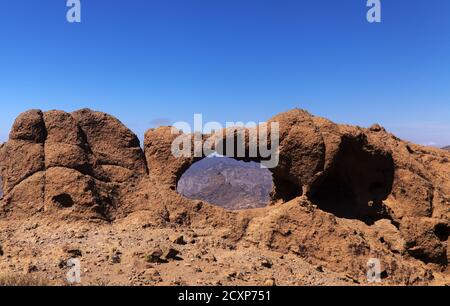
{"type": "Point", "coordinates": [178, 240]}
{"type": "Point", "coordinates": [32, 227]}
{"type": "Point", "coordinates": [376, 128]}
{"type": "Point", "coordinates": [231, 274]}
{"type": "Point", "coordinates": [74, 252]}
{"type": "Point", "coordinates": [152, 275]}
{"type": "Point", "coordinates": [31, 268]}
{"type": "Point", "coordinates": [154, 256]}
{"type": "Point", "coordinates": [240, 276]}
{"type": "Point", "coordinates": [116, 257]}
{"type": "Point", "coordinates": [62, 264]}
{"type": "Point", "coordinates": [172, 253]}
{"type": "Point", "coordinates": [270, 282]}
{"type": "Point", "coordinates": [210, 258]}
{"type": "Point", "coordinates": [199, 206]}
{"type": "Point", "coordinates": [266, 263]}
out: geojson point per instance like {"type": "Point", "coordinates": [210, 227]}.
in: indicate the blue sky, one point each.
{"type": "Point", "coordinates": [158, 61]}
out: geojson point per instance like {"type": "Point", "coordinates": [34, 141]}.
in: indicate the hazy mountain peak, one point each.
{"type": "Point", "coordinates": [227, 183]}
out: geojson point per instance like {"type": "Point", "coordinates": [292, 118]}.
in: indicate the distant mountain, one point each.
{"type": "Point", "coordinates": [227, 183]}
{"type": "Point", "coordinates": [446, 148]}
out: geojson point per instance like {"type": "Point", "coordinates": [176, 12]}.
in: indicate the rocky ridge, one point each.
{"type": "Point", "coordinates": [342, 195]}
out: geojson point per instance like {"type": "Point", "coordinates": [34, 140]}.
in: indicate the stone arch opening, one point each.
{"type": "Point", "coordinates": [286, 186]}
{"type": "Point", "coordinates": [357, 183]}
{"type": "Point", "coordinates": [1, 187]}
{"type": "Point", "coordinates": [227, 182]}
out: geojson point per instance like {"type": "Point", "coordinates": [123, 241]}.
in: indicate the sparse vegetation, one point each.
{"type": "Point", "coordinates": [18, 280]}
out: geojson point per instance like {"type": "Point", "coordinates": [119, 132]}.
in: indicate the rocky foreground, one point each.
{"type": "Point", "coordinates": [78, 185]}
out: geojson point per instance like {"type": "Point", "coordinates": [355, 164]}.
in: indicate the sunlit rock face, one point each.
{"type": "Point", "coordinates": [69, 164]}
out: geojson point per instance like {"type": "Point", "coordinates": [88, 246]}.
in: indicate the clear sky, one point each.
{"type": "Point", "coordinates": [160, 61]}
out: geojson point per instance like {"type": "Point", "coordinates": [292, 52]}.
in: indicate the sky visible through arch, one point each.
{"type": "Point", "coordinates": [151, 62]}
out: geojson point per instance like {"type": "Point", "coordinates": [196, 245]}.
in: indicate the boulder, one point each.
{"type": "Point", "coordinates": [76, 165]}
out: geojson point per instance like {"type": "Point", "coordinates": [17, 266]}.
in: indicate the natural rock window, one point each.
{"type": "Point", "coordinates": [1, 187]}
{"type": "Point", "coordinates": [227, 183]}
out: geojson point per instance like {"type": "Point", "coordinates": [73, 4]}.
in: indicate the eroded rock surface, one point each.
{"type": "Point", "coordinates": [76, 165]}
{"type": "Point", "coordinates": [342, 194]}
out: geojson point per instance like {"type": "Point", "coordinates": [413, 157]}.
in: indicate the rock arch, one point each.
{"type": "Point", "coordinates": [345, 170]}
{"type": "Point", "coordinates": [169, 169]}
{"type": "Point", "coordinates": [316, 159]}
{"type": "Point", "coordinates": [334, 166]}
